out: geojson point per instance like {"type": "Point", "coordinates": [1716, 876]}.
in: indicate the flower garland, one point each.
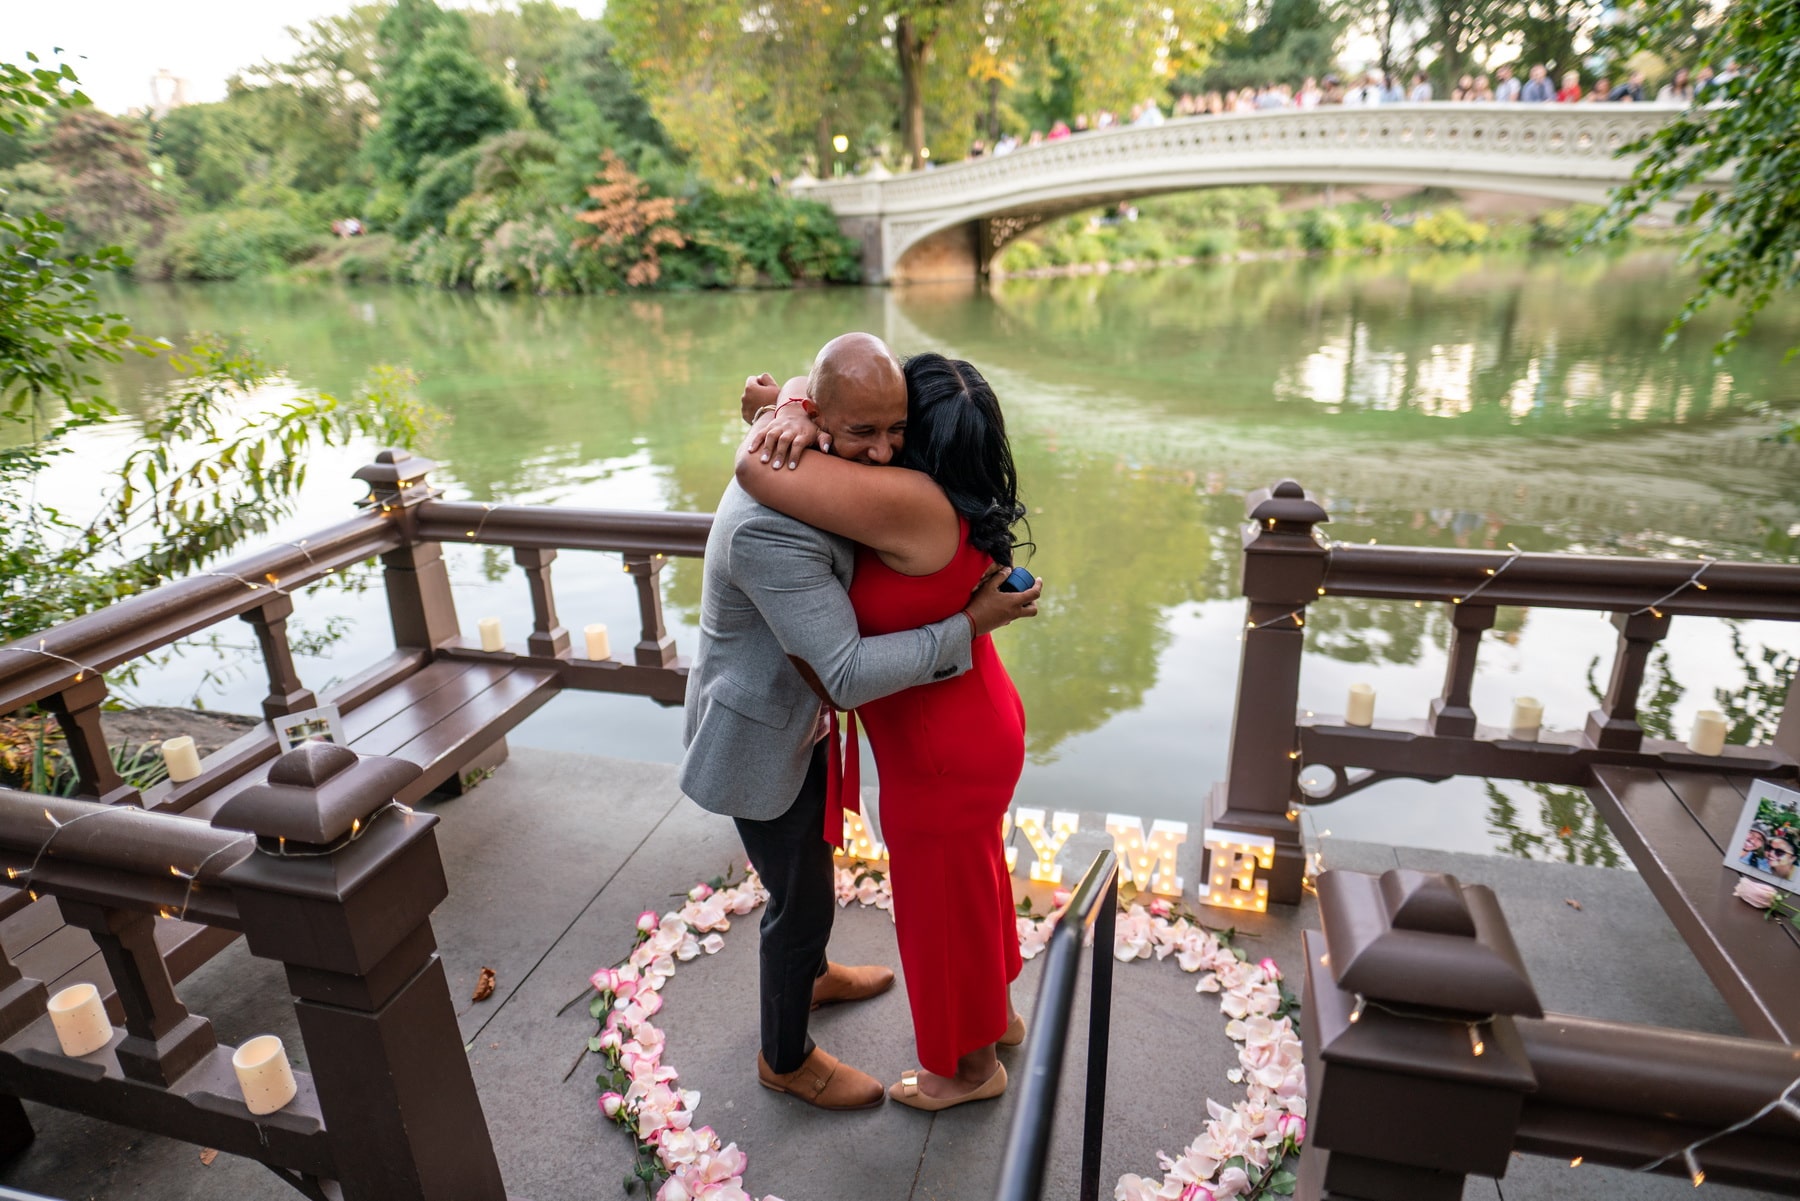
{"type": "Point", "coordinates": [1239, 1154]}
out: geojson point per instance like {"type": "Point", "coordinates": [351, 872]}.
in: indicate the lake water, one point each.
{"type": "Point", "coordinates": [1439, 401]}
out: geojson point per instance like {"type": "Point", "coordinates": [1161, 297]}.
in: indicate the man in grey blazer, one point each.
{"type": "Point", "coordinates": [778, 643]}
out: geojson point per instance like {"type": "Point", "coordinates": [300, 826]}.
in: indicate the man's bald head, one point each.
{"type": "Point", "coordinates": [859, 397]}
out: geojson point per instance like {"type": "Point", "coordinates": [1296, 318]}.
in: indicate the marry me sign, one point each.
{"type": "Point", "coordinates": [1147, 857]}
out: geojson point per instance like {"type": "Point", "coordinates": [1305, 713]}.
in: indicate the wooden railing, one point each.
{"type": "Point", "coordinates": [389, 1112]}
{"type": "Point", "coordinates": [1429, 1059]}
{"type": "Point", "coordinates": [1290, 567]}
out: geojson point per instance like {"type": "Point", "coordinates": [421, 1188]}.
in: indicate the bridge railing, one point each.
{"type": "Point", "coordinates": [1290, 567]}
{"type": "Point", "coordinates": [321, 872]}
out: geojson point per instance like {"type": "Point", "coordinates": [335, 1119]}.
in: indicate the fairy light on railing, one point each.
{"type": "Point", "coordinates": [1492, 574]}
{"type": "Point", "coordinates": [1654, 608]}
{"type": "Point", "coordinates": [1477, 1046]}
{"type": "Point", "coordinates": [1690, 1154]}
{"type": "Point", "coordinates": [487, 511]}
{"type": "Point", "coordinates": [81, 669]}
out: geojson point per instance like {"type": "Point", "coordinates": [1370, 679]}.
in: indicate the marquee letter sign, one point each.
{"type": "Point", "coordinates": [1232, 860]}
{"type": "Point", "coordinates": [1045, 846]}
{"type": "Point", "coordinates": [1148, 861]}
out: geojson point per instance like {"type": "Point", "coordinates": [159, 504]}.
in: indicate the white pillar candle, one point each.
{"type": "Point", "coordinates": [491, 638]}
{"type": "Point", "coordinates": [1527, 718]}
{"type": "Point", "coordinates": [1359, 710]}
{"type": "Point", "coordinates": [79, 1016]}
{"type": "Point", "coordinates": [597, 645]}
{"type": "Point", "coordinates": [263, 1073]}
{"type": "Point", "coordinates": [1708, 737]}
{"type": "Point", "coordinates": [180, 757]}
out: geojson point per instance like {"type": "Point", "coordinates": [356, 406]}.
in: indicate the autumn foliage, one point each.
{"type": "Point", "coordinates": [630, 226]}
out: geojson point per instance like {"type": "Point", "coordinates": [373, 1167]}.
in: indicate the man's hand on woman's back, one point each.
{"type": "Point", "coordinates": [989, 608]}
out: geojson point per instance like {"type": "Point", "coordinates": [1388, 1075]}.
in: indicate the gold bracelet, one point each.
{"type": "Point", "coordinates": [757, 416]}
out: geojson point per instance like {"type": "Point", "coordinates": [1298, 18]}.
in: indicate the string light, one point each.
{"type": "Point", "coordinates": [1297, 616]}
{"type": "Point", "coordinates": [1688, 1154]}
{"type": "Point", "coordinates": [1576, 1162]}
{"type": "Point", "coordinates": [81, 669]}
{"type": "Point", "coordinates": [486, 510]}
{"type": "Point", "coordinates": [1492, 574]}
{"type": "Point", "coordinates": [1693, 1167]}
{"type": "Point", "coordinates": [1356, 1014]}
{"type": "Point", "coordinates": [1475, 1043]}
{"type": "Point", "coordinates": [1654, 608]}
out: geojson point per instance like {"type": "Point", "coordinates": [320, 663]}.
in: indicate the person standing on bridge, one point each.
{"type": "Point", "coordinates": [949, 753]}
{"type": "Point", "coordinates": [779, 654]}
{"type": "Point", "coordinates": [1538, 89]}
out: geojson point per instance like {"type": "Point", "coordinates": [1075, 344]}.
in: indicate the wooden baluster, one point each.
{"type": "Point", "coordinates": [548, 637]}
{"type": "Point", "coordinates": [1451, 715]}
{"type": "Point", "coordinates": [22, 1002]}
{"type": "Point", "coordinates": [1614, 725]}
{"type": "Point", "coordinates": [656, 647]}
{"type": "Point", "coordinates": [77, 710]}
{"type": "Point", "coordinates": [286, 693]}
{"type": "Point", "coordinates": [162, 1039]}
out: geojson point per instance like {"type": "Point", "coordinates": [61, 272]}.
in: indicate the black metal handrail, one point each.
{"type": "Point", "coordinates": [1094, 905]}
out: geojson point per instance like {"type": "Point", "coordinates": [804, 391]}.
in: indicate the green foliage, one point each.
{"type": "Point", "coordinates": [741, 239]}
{"type": "Point", "coordinates": [1213, 243]}
{"type": "Point", "coordinates": [1746, 236]}
{"type": "Point", "coordinates": [438, 191]}
{"type": "Point", "coordinates": [1286, 41]}
{"type": "Point", "coordinates": [442, 101]}
{"type": "Point", "coordinates": [1322, 231]}
{"type": "Point", "coordinates": [232, 244]}
{"type": "Point", "coordinates": [1449, 229]}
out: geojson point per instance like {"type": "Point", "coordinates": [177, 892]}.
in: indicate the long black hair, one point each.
{"type": "Point", "coordinates": [956, 434]}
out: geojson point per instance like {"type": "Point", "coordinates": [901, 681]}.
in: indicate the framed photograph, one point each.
{"type": "Point", "coordinates": [310, 725]}
{"type": "Point", "coordinates": [1767, 840]}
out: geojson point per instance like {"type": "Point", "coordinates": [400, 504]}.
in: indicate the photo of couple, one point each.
{"type": "Point", "coordinates": [1768, 836]}
{"type": "Point", "coordinates": [856, 569]}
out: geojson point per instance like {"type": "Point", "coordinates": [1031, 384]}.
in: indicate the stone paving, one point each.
{"type": "Point", "coordinates": [550, 861]}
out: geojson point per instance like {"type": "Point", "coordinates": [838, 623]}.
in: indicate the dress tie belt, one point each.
{"type": "Point", "coordinates": [843, 777]}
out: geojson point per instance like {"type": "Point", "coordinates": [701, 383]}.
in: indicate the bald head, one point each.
{"type": "Point", "coordinates": [859, 398]}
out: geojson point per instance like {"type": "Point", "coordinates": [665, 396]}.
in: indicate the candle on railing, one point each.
{"type": "Point", "coordinates": [181, 758]}
{"type": "Point", "coordinates": [491, 638]}
{"type": "Point", "coordinates": [263, 1073]}
{"type": "Point", "coordinates": [597, 645]}
{"type": "Point", "coordinates": [1359, 710]}
{"type": "Point", "coordinates": [79, 1016]}
{"type": "Point", "coordinates": [1527, 718]}
{"type": "Point", "coordinates": [1708, 737]}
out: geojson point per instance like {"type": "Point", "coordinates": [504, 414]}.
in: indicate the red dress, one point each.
{"type": "Point", "coordinates": [949, 754]}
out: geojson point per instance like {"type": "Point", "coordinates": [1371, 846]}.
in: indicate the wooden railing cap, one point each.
{"type": "Point", "coordinates": [1285, 502]}
{"type": "Point", "coordinates": [316, 795]}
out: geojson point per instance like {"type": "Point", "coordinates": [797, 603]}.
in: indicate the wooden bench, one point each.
{"type": "Point", "coordinates": [1676, 826]}
{"type": "Point", "coordinates": [446, 716]}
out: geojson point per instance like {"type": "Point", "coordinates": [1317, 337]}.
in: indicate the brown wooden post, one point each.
{"type": "Point", "coordinates": [548, 637]}
{"type": "Point", "coordinates": [352, 922]}
{"type": "Point", "coordinates": [1451, 715]}
{"type": "Point", "coordinates": [162, 1039]}
{"type": "Point", "coordinates": [656, 646]}
{"type": "Point", "coordinates": [1411, 990]}
{"type": "Point", "coordinates": [418, 583]}
{"type": "Point", "coordinates": [77, 710]}
{"type": "Point", "coordinates": [286, 693]}
{"type": "Point", "coordinates": [22, 1002]}
{"type": "Point", "coordinates": [1284, 569]}
{"type": "Point", "coordinates": [1614, 725]}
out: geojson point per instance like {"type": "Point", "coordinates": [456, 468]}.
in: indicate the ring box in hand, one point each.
{"type": "Point", "coordinates": [1018, 581]}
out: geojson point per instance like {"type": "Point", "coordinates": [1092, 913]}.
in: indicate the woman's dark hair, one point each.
{"type": "Point", "coordinates": [955, 434]}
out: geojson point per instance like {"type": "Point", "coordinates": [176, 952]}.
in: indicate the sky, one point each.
{"type": "Point", "coordinates": [116, 46]}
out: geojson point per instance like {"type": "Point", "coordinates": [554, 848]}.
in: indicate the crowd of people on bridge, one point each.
{"type": "Point", "coordinates": [1538, 86]}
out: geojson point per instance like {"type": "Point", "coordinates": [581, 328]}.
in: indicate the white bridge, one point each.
{"type": "Point", "coordinates": [948, 222]}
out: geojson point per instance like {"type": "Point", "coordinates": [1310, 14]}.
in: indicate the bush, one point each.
{"type": "Point", "coordinates": [1141, 242]}
{"type": "Point", "coordinates": [1020, 256]}
{"type": "Point", "coordinates": [1562, 227]}
{"type": "Point", "coordinates": [1449, 229]}
{"type": "Point", "coordinates": [738, 239]}
{"type": "Point", "coordinates": [231, 244]}
{"type": "Point", "coordinates": [1322, 231]}
{"type": "Point", "coordinates": [1374, 236]}
{"type": "Point", "coordinates": [438, 191]}
{"type": "Point", "coordinates": [1213, 243]}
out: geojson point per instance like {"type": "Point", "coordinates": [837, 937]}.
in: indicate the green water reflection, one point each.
{"type": "Point", "coordinates": [1454, 401]}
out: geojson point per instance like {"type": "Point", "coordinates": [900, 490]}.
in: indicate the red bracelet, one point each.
{"type": "Point", "coordinates": [792, 400]}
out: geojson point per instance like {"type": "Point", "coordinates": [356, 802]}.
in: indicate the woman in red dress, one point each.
{"type": "Point", "coordinates": [949, 753]}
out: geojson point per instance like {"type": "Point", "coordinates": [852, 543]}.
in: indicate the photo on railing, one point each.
{"type": "Point", "coordinates": [1767, 837]}
{"type": "Point", "coordinates": [321, 724]}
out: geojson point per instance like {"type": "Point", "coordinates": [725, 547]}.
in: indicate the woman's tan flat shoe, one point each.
{"type": "Point", "coordinates": [1015, 1032]}
{"type": "Point", "coordinates": [907, 1092]}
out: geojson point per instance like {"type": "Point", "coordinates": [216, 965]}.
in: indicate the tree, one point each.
{"type": "Point", "coordinates": [1284, 40]}
{"type": "Point", "coordinates": [111, 196]}
{"type": "Point", "coordinates": [443, 101]}
{"type": "Point", "coordinates": [1746, 232]}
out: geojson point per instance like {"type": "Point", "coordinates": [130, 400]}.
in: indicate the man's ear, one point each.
{"type": "Point", "coordinates": [811, 407]}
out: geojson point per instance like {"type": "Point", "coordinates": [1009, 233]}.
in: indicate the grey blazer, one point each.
{"type": "Point", "coordinates": [774, 591]}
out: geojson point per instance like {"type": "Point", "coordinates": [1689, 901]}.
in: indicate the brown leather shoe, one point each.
{"type": "Point", "coordinates": [840, 984]}
{"type": "Point", "coordinates": [824, 1082]}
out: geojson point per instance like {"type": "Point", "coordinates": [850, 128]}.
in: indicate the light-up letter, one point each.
{"type": "Point", "coordinates": [1232, 860]}
{"type": "Point", "coordinates": [860, 841]}
{"type": "Point", "coordinates": [1045, 845]}
{"type": "Point", "coordinates": [1148, 862]}
{"type": "Point", "coordinates": [1012, 853]}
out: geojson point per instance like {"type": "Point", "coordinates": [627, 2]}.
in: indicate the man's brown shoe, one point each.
{"type": "Point", "coordinates": [824, 1082]}
{"type": "Point", "coordinates": [840, 984]}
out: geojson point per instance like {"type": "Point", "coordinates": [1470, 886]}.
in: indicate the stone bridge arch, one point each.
{"type": "Point", "coordinates": [948, 223]}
